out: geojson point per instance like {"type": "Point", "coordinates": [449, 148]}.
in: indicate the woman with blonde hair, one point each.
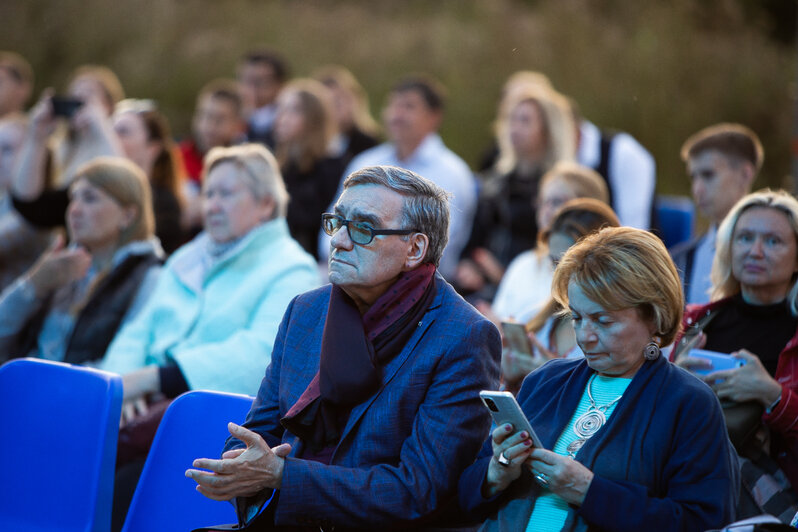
{"type": "Point", "coordinates": [220, 297]}
{"type": "Point", "coordinates": [526, 284]}
{"type": "Point", "coordinates": [535, 130]}
{"type": "Point", "coordinates": [357, 130]}
{"type": "Point", "coordinates": [69, 305]}
{"type": "Point", "coordinates": [753, 316]}
{"type": "Point", "coordinates": [303, 130]}
{"type": "Point", "coordinates": [628, 440]}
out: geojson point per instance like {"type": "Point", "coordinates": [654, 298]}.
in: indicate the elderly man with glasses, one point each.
{"type": "Point", "coordinates": [369, 409]}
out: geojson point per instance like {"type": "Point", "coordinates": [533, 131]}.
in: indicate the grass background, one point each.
{"type": "Point", "coordinates": [659, 70]}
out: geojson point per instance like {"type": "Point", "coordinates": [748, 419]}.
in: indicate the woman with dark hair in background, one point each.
{"type": "Point", "coordinates": [303, 131]}
{"type": "Point", "coordinates": [146, 140]}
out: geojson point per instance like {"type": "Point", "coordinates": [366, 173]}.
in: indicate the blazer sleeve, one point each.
{"type": "Point", "coordinates": [264, 416]}
{"type": "Point", "coordinates": [446, 435]}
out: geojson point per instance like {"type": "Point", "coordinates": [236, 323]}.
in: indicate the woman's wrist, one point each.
{"type": "Point", "coordinates": [773, 399]}
{"type": "Point", "coordinates": [489, 489]}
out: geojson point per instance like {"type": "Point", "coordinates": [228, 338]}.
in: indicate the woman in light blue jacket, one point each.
{"type": "Point", "coordinates": [215, 311]}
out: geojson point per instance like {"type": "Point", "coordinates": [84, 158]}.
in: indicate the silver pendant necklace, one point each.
{"type": "Point", "coordinates": [590, 422]}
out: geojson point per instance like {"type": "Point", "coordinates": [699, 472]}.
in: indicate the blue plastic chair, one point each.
{"type": "Point", "coordinates": [59, 426]}
{"type": "Point", "coordinates": [676, 216]}
{"type": "Point", "coordinates": [194, 426]}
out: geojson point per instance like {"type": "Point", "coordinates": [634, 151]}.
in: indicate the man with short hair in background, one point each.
{"type": "Point", "coordinates": [216, 123]}
{"type": "Point", "coordinates": [722, 162]}
{"type": "Point", "coordinates": [412, 118]}
{"type": "Point", "coordinates": [370, 407]}
{"type": "Point", "coordinates": [261, 74]}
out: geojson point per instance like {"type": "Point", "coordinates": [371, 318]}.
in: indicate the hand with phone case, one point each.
{"type": "Point", "coordinates": [751, 382]}
{"type": "Point", "coordinates": [512, 440]}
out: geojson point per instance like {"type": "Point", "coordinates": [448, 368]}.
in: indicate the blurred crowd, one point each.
{"type": "Point", "coordinates": [171, 261]}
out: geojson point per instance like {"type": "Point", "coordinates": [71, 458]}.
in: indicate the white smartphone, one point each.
{"type": "Point", "coordinates": [505, 409]}
{"type": "Point", "coordinates": [515, 333]}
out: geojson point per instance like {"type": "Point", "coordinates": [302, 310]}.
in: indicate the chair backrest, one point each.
{"type": "Point", "coordinates": [676, 216]}
{"type": "Point", "coordinates": [59, 426]}
{"type": "Point", "coordinates": [194, 426]}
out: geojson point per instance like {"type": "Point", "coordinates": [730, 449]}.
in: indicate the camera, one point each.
{"type": "Point", "coordinates": [490, 404]}
{"type": "Point", "coordinates": [66, 107]}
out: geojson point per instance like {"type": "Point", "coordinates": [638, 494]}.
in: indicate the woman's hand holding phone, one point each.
{"type": "Point", "coordinates": [511, 450]}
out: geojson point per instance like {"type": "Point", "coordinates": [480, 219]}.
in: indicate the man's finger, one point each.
{"type": "Point", "coordinates": [251, 439]}
{"type": "Point", "coordinates": [211, 481]}
{"type": "Point", "coordinates": [212, 495]}
{"type": "Point", "coordinates": [209, 464]}
{"type": "Point", "coordinates": [282, 450]}
{"type": "Point", "coordinates": [233, 453]}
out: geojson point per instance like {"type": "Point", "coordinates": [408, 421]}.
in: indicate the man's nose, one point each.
{"type": "Point", "coordinates": [697, 188]}
{"type": "Point", "coordinates": [341, 240]}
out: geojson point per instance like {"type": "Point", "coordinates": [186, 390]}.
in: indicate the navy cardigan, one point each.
{"type": "Point", "coordinates": [662, 462]}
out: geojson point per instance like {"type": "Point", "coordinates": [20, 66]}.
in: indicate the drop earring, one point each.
{"type": "Point", "coordinates": [651, 351]}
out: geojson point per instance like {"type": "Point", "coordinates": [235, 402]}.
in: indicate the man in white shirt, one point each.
{"type": "Point", "coordinates": [627, 166]}
{"type": "Point", "coordinates": [412, 118]}
{"type": "Point", "coordinates": [722, 162]}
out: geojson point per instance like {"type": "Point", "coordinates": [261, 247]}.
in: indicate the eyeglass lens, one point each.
{"type": "Point", "coordinates": [359, 232]}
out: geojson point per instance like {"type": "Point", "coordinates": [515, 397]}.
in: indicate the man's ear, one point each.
{"type": "Point", "coordinates": [749, 175]}
{"type": "Point", "coordinates": [418, 244]}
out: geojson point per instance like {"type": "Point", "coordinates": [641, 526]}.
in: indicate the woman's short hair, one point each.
{"type": "Point", "coordinates": [316, 106]}
{"type": "Point", "coordinates": [584, 181]}
{"type": "Point", "coordinates": [620, 268]}
{"type": "Point", "coordinates": [558, 124]}
{"type": "Point", "coordinates": [576, 219]}
{"type": "Point", "coordinates": [426, 205]}
{"type": "Point", "coordinates": [724, 284]}
{"type": "Point", "coordinates": [580, 217]}
{"type": "Point", "coordinates": [128, 185]}
{"type": "Point", "coordinates": [259, 170]}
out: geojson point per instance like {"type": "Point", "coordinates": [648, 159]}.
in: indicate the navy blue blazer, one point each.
{"type": "Point", "coordinates": [663, 461]}
{"type": "Point", "coordinates": [403, 449]}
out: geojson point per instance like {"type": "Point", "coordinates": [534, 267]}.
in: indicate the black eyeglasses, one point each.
{"type": "Point", "coordinates": [360, 232]}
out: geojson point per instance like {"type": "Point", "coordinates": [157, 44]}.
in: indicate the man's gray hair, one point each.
{"type": "Point", "coordinates": [259, 169]}
{"type": "Point", "coordinates": [426, 205]}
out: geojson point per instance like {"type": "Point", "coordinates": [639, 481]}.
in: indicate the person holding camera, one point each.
{"type": "Point", "coordinates": [629, 441]}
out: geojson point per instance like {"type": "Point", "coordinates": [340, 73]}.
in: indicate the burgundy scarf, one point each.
{"type": "Point", "coordinates": [354, 349]}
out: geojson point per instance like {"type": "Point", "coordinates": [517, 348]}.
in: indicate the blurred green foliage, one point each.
{"type": "Point", "coordinates": [659, 70]}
